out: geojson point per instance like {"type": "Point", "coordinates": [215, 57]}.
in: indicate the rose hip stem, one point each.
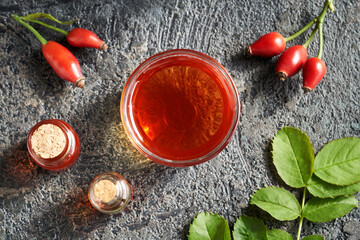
{"type": "Point", "coordinates": [319, 20]}
{"type": "Point", "coordinates": [60, 58]}
{"type": "Point", "coordinates": [34, 16]}
{"type": "Point", "coordinates": [36, 33]}
{"type": "Point", "coordinates": [300, 31]}
{"type": "Point", "coordinates": [78, 37]}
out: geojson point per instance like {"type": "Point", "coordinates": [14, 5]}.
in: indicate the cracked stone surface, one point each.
{"type": "Point", "coordinates": [38, 204]}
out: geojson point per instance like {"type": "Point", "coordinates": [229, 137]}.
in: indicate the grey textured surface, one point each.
{"type": "Point", "coordinates": [35, 203]}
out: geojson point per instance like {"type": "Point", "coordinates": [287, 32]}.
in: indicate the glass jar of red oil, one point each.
{"type": "Point", "coordinates": [180, 108]}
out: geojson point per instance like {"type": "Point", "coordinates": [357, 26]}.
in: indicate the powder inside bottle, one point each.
{"type": "Point", "coordinates": [48, 141]}
{"type": "Point", "coordinates": [105, 190]}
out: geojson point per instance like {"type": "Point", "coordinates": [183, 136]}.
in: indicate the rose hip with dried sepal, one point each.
{"type": "Point", "coordinates": [60, 58]}
{"type": "Point", "coordinates": [291, 61]}
{"type": "Point", "coordinates": [268, 45]}
{"type": "Point", "coordinates": [77, 37]}
{"type": "Point", "coordinates": [294, 58]}
{"type": "Point", "coordinates": [313, 72]}
{"type": "Point", "coordinates": [64, 63]}
{"type": "Point", "coordinates": [80, 37]}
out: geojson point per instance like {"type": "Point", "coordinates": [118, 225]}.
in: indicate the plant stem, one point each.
{"type": "Point", "coordinates": [306, 44]}
{"type": "Point", "coordinates": [36, 33]}
{"type": "Point", "coordinates": [300, 31]}
{"type": "Point", "coordinates": [50, 26]}
{"type": "Point", "coordinates": [301, 217]}
{"type": "Point", "coordinates": [35, 16]}
{"type": "Point", "coordinates": [321, 44]}
{"type": "Point", "coordinates": [319, 25]}
{"type": "Point", "coordinates": [321, 17]}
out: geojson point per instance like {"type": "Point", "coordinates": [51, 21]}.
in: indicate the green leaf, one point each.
{"type": "Point", "coordinates": [35, 16]}
{"type": "Point", "coordinates": [339, 162]}
{"type": "Point", "coordinates": [313, 237]}
{"type": "Point", "coordinates": [327, 209]}
{"type": "Point", "coordinates": [281, 204]}
{"type": "Point", "coordinates": [249, 228]}
{"type": "Point", "coordinates": [277, 234]}
{"type": "Point", "coordinates": [209, 226]}
{"type": "Point", "coordinates": [322, 189]}
{"type": "Point", "coordinates": [293, 156]}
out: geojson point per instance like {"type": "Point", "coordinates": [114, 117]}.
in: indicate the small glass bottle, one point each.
{"type": "Point", "coordinates": [109, 193]}
{"type": "Point", "coordinates": [53, 144]}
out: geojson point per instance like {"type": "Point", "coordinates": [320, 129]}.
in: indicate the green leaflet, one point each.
{"type": "Point", "coordinates": [293, 156]}
{"type": "Point", "coordinates": [249, 228]}
{"type": "Point", "coordinates": [278, 202]}
{"type": "Point", "coordinates": [209, 226]}
{"type": "Point", "coordinates": [313, 237]}
{"type": "Point", "coordinates": [339, 162]}
{"type": "Point", "coordinates": [336, 176]}
{"type": "Point", "coordinates": [321, 189]}
{"type": "Point", "coordinates": [35, 16]}
{"type": "Point", "coordinates": [277, 234]}
{"type": "Point", "coordinates": [327, 209]}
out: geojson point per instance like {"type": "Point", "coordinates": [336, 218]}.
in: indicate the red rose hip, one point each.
{"type": "Point", "coordinates": [313, 72]}
{"type": "Point", "coordinates": [64, 63]}
{"type": "Point", "coordinates": [268, 45]}
{"type": "Point", "coordinates": [291, 61]}
{"type": "Point", "coordinates": [80, 37]}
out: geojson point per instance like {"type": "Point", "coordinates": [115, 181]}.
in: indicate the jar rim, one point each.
{"type": "Point", "coordinates": [130, 128]}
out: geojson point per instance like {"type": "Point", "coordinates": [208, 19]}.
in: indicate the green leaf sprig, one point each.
{"type": "Point", "coordinates": [331, 178]}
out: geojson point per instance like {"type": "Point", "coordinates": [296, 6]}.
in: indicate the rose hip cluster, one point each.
{"type": "Point", "coordinates": [293, 59]}
{"type": "Point", "coordinates": [59, 57]}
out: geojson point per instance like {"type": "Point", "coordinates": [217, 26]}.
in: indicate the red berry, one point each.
{"type": "Point", "coordinates": [269, 45]}
{"type": "Point", "coordinates": [313, 71]}
{"type": "Point", "coordinates": [291, 61]}
{"type": "Point", "coordinates": [80, 37]}
{"type": "Point", "coordinates": [64, 63]}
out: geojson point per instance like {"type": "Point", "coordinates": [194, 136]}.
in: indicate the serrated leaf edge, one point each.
{"type": "Point", "coordinates": [244, 215]}
{"type": "Point", "coordinates": [251, 201]}
{"type": "Point", "coordinates": [268, 230]}
{"type": "Point", "coordinates": [312, 149]}
{"type": "Point", "coordinates": [332, 197]}
{"type": "Point", "coordinates": [323, 205]}
{"type": "Point", "coordinates": [207, 214]}
{"type": "Point", "coordinates": [322, 150]}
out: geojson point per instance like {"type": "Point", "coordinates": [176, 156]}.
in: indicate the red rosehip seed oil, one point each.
{"type": "Point", "coordinates": [182, 111]}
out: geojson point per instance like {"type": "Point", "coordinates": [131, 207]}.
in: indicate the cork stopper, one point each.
{"type": "Point", "coordinates": [105, 190]}
{"type": "Point", "coordinates": [48, 141]}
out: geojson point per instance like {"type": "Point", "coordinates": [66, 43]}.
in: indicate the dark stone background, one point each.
{"type": "Point", "coordinates": [35, 203]}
